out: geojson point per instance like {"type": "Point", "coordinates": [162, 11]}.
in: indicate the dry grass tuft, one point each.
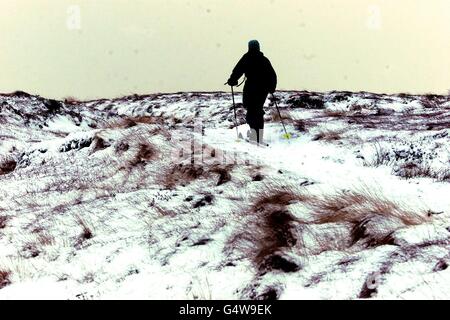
{"type": "Point", "coordinates": [129, 122]}
{"type": "Point", "coordinates": [356, 206]}
{"type": "Point", "coordinates": [3, 221]}
{"type": "Point", "coordinates": [7, 165]}
{"type": "Point", "coordinates": [444, 175]}
{"type": "Point", "coordinates": [4, 278]}
{"type": "Point", "coordinates": [100, 143]}
{"type": "Point", "coordinates": [300, 125]}
{"type": "Point", "coordinates": [136, 150]}
{"type": "Point", "coordinates": [223, 171]}
{"type": "Point", "coordinates": [306, 100]}
{"type": "Point", "coordinates": [205, 200]}
{"type": "Point", "coordinates": [328, 135]}
{"type": "Point", "coordinates": [264, 239]}
{"type": "Point", "coordinates": [372, 218]}
{"type": "Point", "coordinates": [269, 230]}
{"type": "Point", "coordinates": [275, 198]}
{"type": "Point", "coordinates": [276, 234]}
{"type": "Point", "coordinates": [86, 232]}
{"type": "Point", "coordinates": [382, 157]}
{"type": "Point", "coordinates": [276, 116]}
{"type": "Point", "coordinates": [334, 222]}
{"type": "Point", "coordinates": [335, 113]}
{"type": "Point", "coordinates": [71, 100]}
{"type": "Point", "coordinates": [145, 152]}
{"type": "Point", "coordinates": [121, 147]}
{"type": "Point", "coordinates": [369, 288]}
{"type": "Point", "coordinates": [429, 102]}
{"type": "Point", "coordinates": [381, 234]}
{"type": "Point", "coordinates": [409, 170]}
{"type": "Point", "coordinates": [164, 212]}
{"type": "Point", "coordinates": [182, 174]}
{"type": "Point", "coordinates": [46, 239]}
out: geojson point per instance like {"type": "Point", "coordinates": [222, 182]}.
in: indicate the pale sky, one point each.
{"type": "Point", "coordinates": [109, 48]}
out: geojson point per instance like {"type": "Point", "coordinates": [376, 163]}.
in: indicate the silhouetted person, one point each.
{"type": "Point", "coordinates": [261, 80]}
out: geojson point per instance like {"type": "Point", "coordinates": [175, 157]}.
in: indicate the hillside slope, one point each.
{"type": "Point", "coordinates": [152, 197]}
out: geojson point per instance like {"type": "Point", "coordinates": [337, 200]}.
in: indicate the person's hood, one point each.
{"type": "Point", "coordinates": [253, 45]}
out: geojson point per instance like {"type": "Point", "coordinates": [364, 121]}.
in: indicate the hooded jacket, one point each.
{"type": "Point", "coordinates": [261, 77]}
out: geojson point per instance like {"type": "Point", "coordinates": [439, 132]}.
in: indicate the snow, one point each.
{"type": "Point", "coordinates": [90, 220]}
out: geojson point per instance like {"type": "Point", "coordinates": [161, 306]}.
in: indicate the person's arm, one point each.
{"type": "Point", "coordinates": [272, 77]}
{"type": "Point", "coordinates": [238, 71]}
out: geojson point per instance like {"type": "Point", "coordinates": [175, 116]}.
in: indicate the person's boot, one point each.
{"type": "Point", "coordinates": [261, 136]}
{"type": "Point", "coordinates": [252, 135]}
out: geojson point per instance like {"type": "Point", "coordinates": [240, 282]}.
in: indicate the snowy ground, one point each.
{"type": "Point", "coordinates": [152, 197]}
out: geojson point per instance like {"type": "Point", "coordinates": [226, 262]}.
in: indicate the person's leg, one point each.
{"type": "Point", "coordinates": [251, 121]}
{"type": "Point", "coordinates": [249, 104]}
{"type": "Point", "coordinates": [259, 127]}
{"type": "Point", "coordinates": [259, 116]}
{"type": "Point", "coordinates": [254, 103]}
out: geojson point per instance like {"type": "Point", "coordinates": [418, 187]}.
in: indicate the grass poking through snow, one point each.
{"type": "Point", "coordinates": [4, 278]}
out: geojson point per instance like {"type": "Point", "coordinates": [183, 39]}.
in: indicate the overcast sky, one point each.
{"type": "Point", "coordinates": [107, 48]}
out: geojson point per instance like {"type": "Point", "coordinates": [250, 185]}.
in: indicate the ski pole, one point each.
{"type": "Point", "coordinates": [287, 135]}
{"type": "Point", "coordinates": [235, 114]}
